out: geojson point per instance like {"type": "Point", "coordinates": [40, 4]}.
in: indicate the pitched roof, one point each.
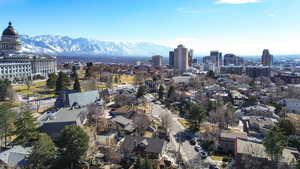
{"type": "Point", "coordinates": [122, 120]}
{"type": "Point", "coordinates": [54, 128]}
{"type": "Point", "coordinates": [153, 145]}
{"type": "Point", "coordinates": [68, 114]}
{"type": "Point", "coordinates": [258, 150]}
{"type": "Point", "coordinates": [15, 156]}
{"type": "Point", "coordinates": [83, 98]}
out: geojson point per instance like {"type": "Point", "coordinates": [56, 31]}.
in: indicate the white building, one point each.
{"type": "Point", "coordinates": [15, 65]}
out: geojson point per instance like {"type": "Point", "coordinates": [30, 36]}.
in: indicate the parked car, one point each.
{"type": "Point", "coordinates": [197, 148]}
{"type": "Point", "coordinates": [167, 138]}
{"type": "Point", "coordinates": [203, 154]}
{"type": "Point", "coordinates": [192, 142]}
{"type": "Point", "coordinates": [213, 166]}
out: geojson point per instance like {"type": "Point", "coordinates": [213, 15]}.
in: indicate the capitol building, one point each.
{"type": "Point", "coordinates": [16, 65]}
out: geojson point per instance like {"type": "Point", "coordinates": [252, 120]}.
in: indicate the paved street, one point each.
{"type": "Point", "coordinates": [187, 151]}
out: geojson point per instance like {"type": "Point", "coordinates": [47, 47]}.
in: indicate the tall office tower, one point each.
{"type": "Point", "coordinates": [191, 53]}
{"type": "Point", "coordinates": [195, 61]}
{"type": "Point", "coordinates": [231, 59]}
{"type": "Point", "coordinates": [157, 61]}
{"type": "Point", "coordinates": [206, 59]}
{"type": "Point", "coordinates": [171, 59]}
{"type": "Point", "coordinates": [266, 58]}
{"type": "Point", "coordinates": [216, 58]}
{"type": "Point", "coordinates": [181, 58]}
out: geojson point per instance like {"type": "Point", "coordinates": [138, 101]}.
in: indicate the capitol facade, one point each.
{"type": "Point", "coordinates": [16, 65]}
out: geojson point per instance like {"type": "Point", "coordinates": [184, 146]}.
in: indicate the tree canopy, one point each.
{"type": "Point", "coordinates": [161, 92]}
{"type": "Point", "coordinates": [274, 142]}
{"type": "Point", "coordinates": [4, 84]}
{"type": "Point", "coordinates": [7, 117]}
{"type": "Point", "coordinates": [25, 129]}
{"type": "Point", "coordinates": [141, 91]}
{"type": "Point", "coordinates": [287, 127]}
{"type": "Point", "coordinates": [43, 153]}
{"type": "Point", "coordinates": [51, 82]}
{"type": "Point", "coordinates": [62, 82]}
{"type": "Point", "coordinates": [73, 144]}
{"type": "Point", "coordinates": [76, 85]}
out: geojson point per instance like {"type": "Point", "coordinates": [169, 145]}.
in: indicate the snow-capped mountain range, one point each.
{"type": "Point", "coordinates": [64, 45]}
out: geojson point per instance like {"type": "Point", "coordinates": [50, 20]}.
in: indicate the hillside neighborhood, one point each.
{"type": "Point", "coordinates": [115, 116]}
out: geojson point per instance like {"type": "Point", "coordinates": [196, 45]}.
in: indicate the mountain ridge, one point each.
{"type": "Point", "coordinates": [65, 45]}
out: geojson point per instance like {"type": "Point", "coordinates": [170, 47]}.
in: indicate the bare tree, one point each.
{"type": "Point", "coordinates": [28, 82]}
{"type": "Point", "coordinates": [123, 100]}
{"type": "Point", "coordinates": [11, 93]}
{"type": "Point", "coordinates": [89, 84]}
{"type": "Point", "coordinates": [94, 113]}
{"type": "Point", "coordinates": [111, 152]}
{"type": "Point", "coordinates": [140, 77]}
{"type": "Point", "coordinates": [142, 122]}
{"type": "Point", "coordinates": [166, 122]}
{"type": "Point", "coordinates": [223, 115]}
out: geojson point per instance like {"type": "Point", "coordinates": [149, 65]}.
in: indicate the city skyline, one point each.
{"type": "Point", "coordinates": [243, 27]}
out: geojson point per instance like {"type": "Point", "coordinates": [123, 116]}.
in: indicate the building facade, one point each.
{"type": "Point", "coordinates": [266, 58]}
{"type": "Point", "coordinates": [181, 58]}
{"type": "Point", "coordinates": [157, 61]}
{"type": "Point", "coordinates": [258, 71]}
{"type": "Point", "coordinates": [191, 54]}
{"type": "Point", "coordinates": [16, 65]}
{"type": "Point", "coordinates": [231, 59]}
{"type": "Point", "coordinates": [171, 59]}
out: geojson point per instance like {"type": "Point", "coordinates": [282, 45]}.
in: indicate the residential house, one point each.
{"type": "Point", "coordinates": [228, 138]}
{"type": "Point", "coordinates": [71, 98]}
{"type": "Point", "coordinates": [124, 124]}
{"type": "Point", "coordinates": [151, 148]}
{"type": "Point", "coordinates": [14, 157]}
{"type": "Point", "coordinates": [252, 154]}
{"type": "Point", "coordinates": [292, 105]}
{"type": "Point", "coordinates": [53, 123]}
{"type": "Point", "coordinates": [258, 110]}
{"type": "Point", "coordinates": [258, 125]}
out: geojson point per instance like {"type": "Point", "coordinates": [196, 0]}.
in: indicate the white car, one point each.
{"type": "Point", "coordinates": [198, 148]}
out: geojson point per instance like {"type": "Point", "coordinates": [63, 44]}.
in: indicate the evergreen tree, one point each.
{"type": "Point", "coordinates": [171, 93]}
{"type": "Point", "coordinates": [298, 164]}
{"type": "Point", "coordinates": [138, 164]}
{"type": "Point", "coordinates": [43, 153]}
{"type": "Point", "coordinates": [25, 129]}
{"type": "Point", "coordinates": [294, 141]}
{"type": "Point", "coordinates": [274, 143]}
{"type": "Point", "coordinates": [287, 127]}
{"type": "Point", "coordinates": [4, 84]}
{"type": "Point", "coordinates": [161, 91]}
{"type": "Point", "coordinates": [141, 92]}
{"type": "Point", "coordinates": [197, 114]}
{"type": "Point", "coordinates": [88, 71]}
{"type": "Point", "coordinates": [7, 117]}
{"type": "Point", "coordinates": [62, 82]}
{"type": "Point", "coordinates": [72, 144]}
{"type": "Point", "coordinates": [51, 82]}
{"type": "Point", "coordinates": [76, 85]}
{"type": "Point", "coordinates": [147, 164]}
{"type": "Point", "coordinates": [73, 73]}
{"type": "Point", "coordinates": [211, 74]}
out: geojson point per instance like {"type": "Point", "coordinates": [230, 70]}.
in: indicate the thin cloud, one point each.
{"type": "Point", "coordinates": [237, 1]}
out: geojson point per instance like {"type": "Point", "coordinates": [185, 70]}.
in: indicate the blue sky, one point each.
{"type": "Point", "coordinates": [243, 27]}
